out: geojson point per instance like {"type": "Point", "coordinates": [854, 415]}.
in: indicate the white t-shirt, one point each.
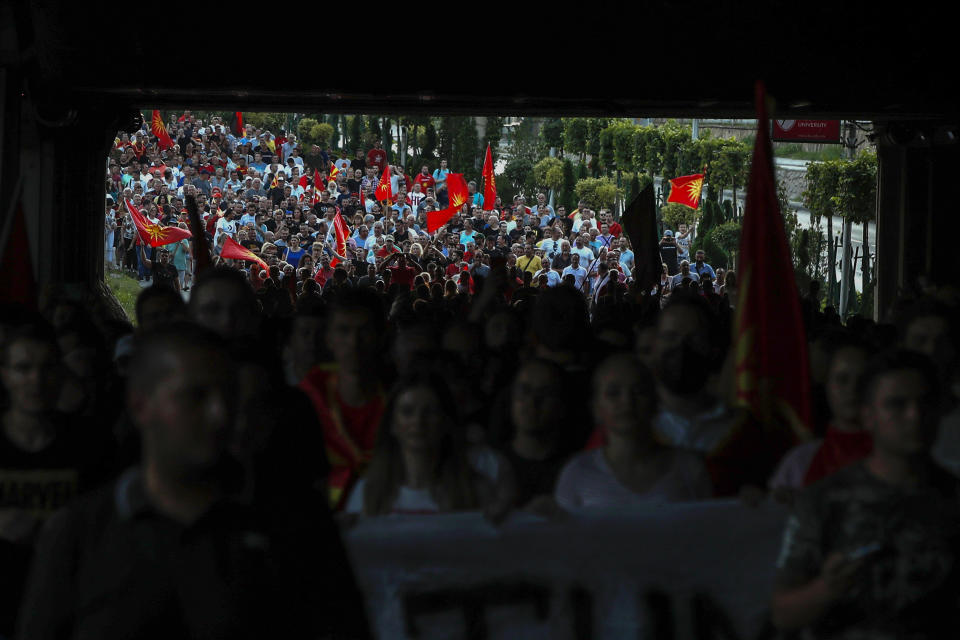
{"type": "Point", "coordinates": [703, 432]}
{"type": "Point", "coordinates": [586, 256]}
{"type": "Point", "coordinates": [553, 278]}
{"type": "Point", "coordinates": [228, 227]}
{"type": "Point", "coordinates": [678, 279]}
{"type": "Point", "coordinates": [579, 274]}
{"type": "Point", "coordinates": [588, 481]}
{"type": "Point", "coordinates": [683, 246]}
{"type": "Point", "coordinates": [484, 460]}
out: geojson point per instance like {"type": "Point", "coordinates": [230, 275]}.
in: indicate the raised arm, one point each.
{"type": "Point", "coordinates": [388, 261]}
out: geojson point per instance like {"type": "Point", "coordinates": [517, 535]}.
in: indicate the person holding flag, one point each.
{"type": "Point", "coordinates": [162, 272]}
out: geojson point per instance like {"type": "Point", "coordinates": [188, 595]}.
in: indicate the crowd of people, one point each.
{"type": "Point", "coordinates": [484, 368]}
{"type": "Point", "coordinates": [257, 189]}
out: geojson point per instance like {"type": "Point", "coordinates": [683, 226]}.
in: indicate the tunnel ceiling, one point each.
{"type": "Point", "coordinates": [662, 59]}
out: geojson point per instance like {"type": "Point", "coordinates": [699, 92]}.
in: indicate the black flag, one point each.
{"type": "Point", "coordinates": [640, 224]}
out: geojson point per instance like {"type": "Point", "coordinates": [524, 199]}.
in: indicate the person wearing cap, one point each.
{"type": "Point", "coordinates": [669, 253]}
{"type": "Point", "coordinates": [388, 249]}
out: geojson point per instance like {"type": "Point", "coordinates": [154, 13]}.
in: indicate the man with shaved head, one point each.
{"type": "Point", "coordinates": [177, 546]}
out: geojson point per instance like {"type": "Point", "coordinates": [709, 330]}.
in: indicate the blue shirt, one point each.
{"type": "Point", "coordinates": [702, 269]}
{"type": "Point", "coordinates": [467, 237]}
{"type": "Point", "coordinates": [440, 175]}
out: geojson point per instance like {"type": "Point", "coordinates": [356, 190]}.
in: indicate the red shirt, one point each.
{"type": "Point", "coordinates": [425, 181]}
{"type": "Point", "coordinates": [615, 229]}
{"type": "Point", "coordinates": [349, 432]}
{"type": "Point", "coordinates": [384, 252]}
{"type": "Point", "coordinates": [403, 276]}
{"type": "Point", "coordinates": [322, 275]}
{"type": "Point", "coordinates": [377, 157]}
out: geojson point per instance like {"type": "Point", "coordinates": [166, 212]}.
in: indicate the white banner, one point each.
{"type": "Point", "coordinates": [675, 570]}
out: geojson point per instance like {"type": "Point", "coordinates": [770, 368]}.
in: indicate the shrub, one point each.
{"type": "Point", "coordinates": [599, 193]}
{"type": "Point", "coordinates": [673, 213]}
{"type": "Point", "coordinates": [548, 173]}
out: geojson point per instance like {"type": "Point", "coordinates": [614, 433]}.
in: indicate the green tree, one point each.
{"type": "Point", "coordinates": [594, 127]}
{"type": "Point", "coordinates": [730, 166]}
{"type": "Point", "coordinates": [727, 236]}
{"type": "Point", "coordinates": [492, 135]}
{"type": "Point", "coordinates": [575, 136]}
{"type": "Point", "coordinates": [466, 156]}
{"type": "Point", "coordinates": [548, 173]}
{"type": "Point", "coordinates": [356, 133]}
{"type": "Point", "coordinates": [675, 136]}
{"type": "Point", "coordinates": [519, 172]}
{"type": "Point", "coordinates": [674, 213]}
{"type": "Point", "coordinates": [551, 134]}
{"type": "Point", "coordinates": [567, 197]}
{"type": "Point", "coordinates": [599, 193]}
{"type": "Point", "coordinates": [304, 129]}
{"type": "Point", "coordinates": [856, 196]}
{"type": "Point", "coordinates": [270, 121]}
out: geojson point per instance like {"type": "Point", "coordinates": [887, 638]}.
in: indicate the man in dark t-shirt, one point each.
{"type": "Point", "coordinates": [176, 547]}
{"type": "Point", "coordinates": [668, 253]}
{"type": "Point", "coordinates": [163, 273]}
{"type": "Point", "coordinates": [873, 551]}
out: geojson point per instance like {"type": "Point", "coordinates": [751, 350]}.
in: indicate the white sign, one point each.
{"type": "Point", "coordinates": [657, 570]}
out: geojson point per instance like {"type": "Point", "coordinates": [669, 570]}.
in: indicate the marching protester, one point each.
{"type": "Point", "coordinates": [324, 338]}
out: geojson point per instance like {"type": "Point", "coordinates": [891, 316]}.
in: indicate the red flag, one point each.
{"type": "Point", "coordinates": [686, 190]}
{"type": "Point", "coordinates": [16, 265]}
{"type": "Point", "coordinates": [489, 182]}
{"type": "Point", "coordinates": [237, 124]}
{"type": "Point", "coordinates": [772, 370]}
{"type": "Point", "coordinates": [154, 234]}
{"type": "Point", "coordinates": [316, 181]}
{"type": "Point", "coordinates": [333, 171]}
{"type": "Point", "coordinates": [273, 183]}
{"type": "Point", "coordinates": [457, 191]}
{"type": "Point", "coordinates": [384, 189]}
{"type": "Point", "coordinates": [304, 180]}
{"type": "Point", "coordinates": [235, 251]}
{"type": "Point", "coordinates": [342, 232]}
{"type": "Point", "coordinates": [157, 128]}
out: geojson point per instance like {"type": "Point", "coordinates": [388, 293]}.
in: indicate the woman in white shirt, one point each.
{"type": "Point", "coordinates": [629, 467]}
{"type": "Point", "coordinates": [421, 464]}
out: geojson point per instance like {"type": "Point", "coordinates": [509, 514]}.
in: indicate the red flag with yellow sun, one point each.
{"type": "Point", "coordinates": [236, 251]}
{"type": "Point", "coordinates": [686, 190]}
{"type": "Point", "coordinates": [384, 189]}
{"type": "Point", "coordinates": [154, 234]}
{"type": "Point", "coordinates": [342, 232]}
{"type": "Point", "coordinates": [457, 192]}
{"type": "Point", "coordinates": [157, 129]}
